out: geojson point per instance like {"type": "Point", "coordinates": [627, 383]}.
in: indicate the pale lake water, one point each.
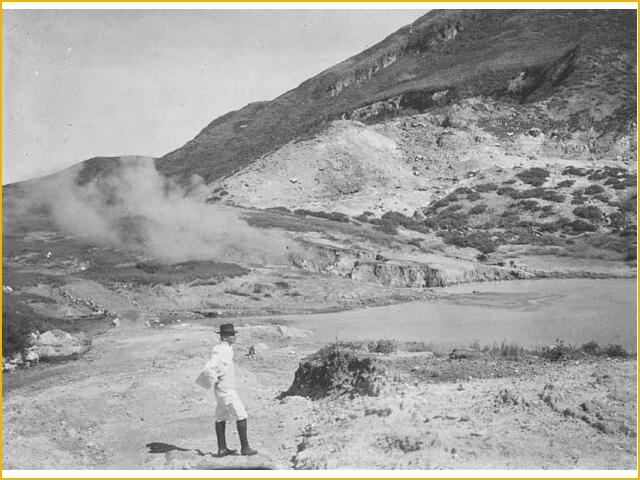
{"type": "Point", "coordinates": [529, 312]}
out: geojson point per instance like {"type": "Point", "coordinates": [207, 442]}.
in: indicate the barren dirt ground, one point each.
{"type": "Point", "coordinates": [136, 387]}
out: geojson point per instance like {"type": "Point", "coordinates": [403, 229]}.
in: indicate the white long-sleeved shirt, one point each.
{"type": "Point", "coordinates": [221, 365]}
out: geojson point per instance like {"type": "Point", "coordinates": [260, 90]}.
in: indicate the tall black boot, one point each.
{"type": "Point", "coordinates": [245, 449]}
{"type": "Point", "coordinates": [222, 440]}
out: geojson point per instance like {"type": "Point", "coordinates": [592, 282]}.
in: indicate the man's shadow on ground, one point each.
{"type": "Point", "coordinates": [163, 448]}
{"type": "Point", "coordinates": [159, 447]}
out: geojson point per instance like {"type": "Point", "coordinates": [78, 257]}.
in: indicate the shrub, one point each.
{"type": "Point", "coordinates": [393, 219]}
{"type": "Point", "coordinates": [607, 172]}
{"type": "Point", "coordinates": [542, 193]}
{"type": "Point", "coordinates": [511, 181]}
{"type": "Point", "coordinates": [416, 242]}
{"type": "Point", "coordinates": [579, 172]}
{"type": "Point", "coordinates": [486, 187]}
{"type": "Point", "coordinates": [364, 216]}
{"type": "Point", "coordinates": [278, 209]}
{"type": "Point", "coordinates": [448, 220]}
{"type": "Point", "coordinates": [19, 319]}
{"type": "Point", "coordinates": [529, 205]}
{"type": "Point", "coordinates": [580, 226]}
{"type": "Point", "coordinates": [565, 183]}
{"type": "Point", "coordinates": [628, 205]}
{"type": "Point", "coordinates": [590, 212]}
{"type": "Point", "coordinates": [593, 189]}
{"type": "Point", "coordinates": [534, 176]}
{"type": "Point", "coordinates": [511, 351]}
{"type": "Point", "coordinates": [387, 228]}
{"type": "Point", "coordinates": [443, 202]}
{"type": "Point", "coordinates": [508, 191]}
{"type": "Point", "coordinates": [559, 351]}
{"type": "Point", "coordinates": [621, 183]}
{"type": "Point", "coordinates": [591, 348]}
{"type": "Point", "coordinates": [334, 216]}
{"type": "Point", "coordinates": [453, 208]}
{"type": "Point", "coordinates": [478, 209]}
{"type": "Point", "coordinates": [396, 218]}
{"type": "Point", "coordinates": [578, 197]}
{"type": "Point", "coordinates": [616, 221]}
{"type": "Point", "coordinates": [474, 197]}
{"type": "Point", "coordinates": [547, 211]}
{"type": "Point", "coordinates": [480, 240]}
{"type": "Point", "coordinates": [615, 351]}
{"type": "Point", "coordinates": [508, 218]}
{"type": "Point", "coordinates": [382, 346]}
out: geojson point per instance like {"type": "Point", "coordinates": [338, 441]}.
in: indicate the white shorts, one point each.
{"type": "Point", "coordinates": [229, 409]}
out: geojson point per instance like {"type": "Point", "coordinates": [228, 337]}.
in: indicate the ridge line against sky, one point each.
{"type": "Point", "coordinates": [85, 83]}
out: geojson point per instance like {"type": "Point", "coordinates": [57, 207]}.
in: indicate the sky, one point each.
{"type": "Point", "coordinates": [84, 83]}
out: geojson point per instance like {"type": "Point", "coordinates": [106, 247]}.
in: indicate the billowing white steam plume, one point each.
{"type": "Point", "coordinates": [134, 206]}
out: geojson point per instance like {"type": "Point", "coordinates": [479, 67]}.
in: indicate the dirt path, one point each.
{"type": "Point", "coordinates": [136, 387]}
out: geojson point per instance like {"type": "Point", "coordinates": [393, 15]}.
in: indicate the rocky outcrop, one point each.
{"type": "Point", "coordinates": [535, 78]}
{"type": "Point", "coordinates": [55, 345]}
{"type": "Point", "coordinates": [407, 103]}
{"type": "Point", "coordinates": [399, 275]}
{"type": "Point", "coordinates": [362, 74]}
{"type": "Point", "coordinates": [332, 372]}
{"type": "Point", "coordinates": [434, 38]}
{"type": "Point", "coordinates": [368, 266]}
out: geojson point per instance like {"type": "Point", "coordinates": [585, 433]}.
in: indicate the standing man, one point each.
{"type": "Point", "coordinates": [219, 372]}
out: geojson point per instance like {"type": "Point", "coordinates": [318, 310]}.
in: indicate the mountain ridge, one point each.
{"type": "Point", "coordinates": [465, 53]}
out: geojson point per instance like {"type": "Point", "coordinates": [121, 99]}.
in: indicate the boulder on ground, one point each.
{"type": "Point", "coordinates": [17, 359]}
{"type": "Point", "coordinates": [332, 372]}
{"type": "Point", "coordinates": [31, 355]}
{"type": "Point", "coordinates": [60, 345]}
{"type": "Point", "coordinates": [270, 333]}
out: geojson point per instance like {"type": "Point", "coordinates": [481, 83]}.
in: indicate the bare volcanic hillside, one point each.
{"type": "Point", "coordinates": [514, 56]}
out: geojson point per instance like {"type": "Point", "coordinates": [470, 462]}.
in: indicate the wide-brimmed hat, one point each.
{"type": "Point", "coordinates": [227, 330]}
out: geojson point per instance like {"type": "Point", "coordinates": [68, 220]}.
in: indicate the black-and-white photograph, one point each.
{"type": "Point", "coordinates": [323, 238]}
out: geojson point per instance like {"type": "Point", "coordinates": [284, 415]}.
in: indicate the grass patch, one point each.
{"type": "Point", "coordinates": [152, 273]}
{"type": "Point", "coordinates": [333, 216]}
